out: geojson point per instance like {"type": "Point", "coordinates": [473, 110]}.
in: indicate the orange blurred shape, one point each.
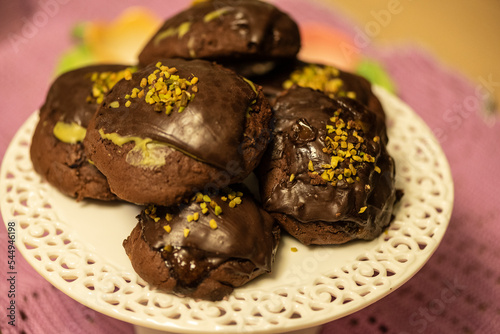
{"type": "Point", "coordinates": [121, 40]}
{"type": "Point", "coordinates": [326, 45]}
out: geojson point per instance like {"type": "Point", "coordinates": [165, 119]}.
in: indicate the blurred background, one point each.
{"type": "Point", "coordinates": [462, 34]}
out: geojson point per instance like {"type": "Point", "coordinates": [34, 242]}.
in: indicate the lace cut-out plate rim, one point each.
{"type": "Point", "coordinates": [307, 288]}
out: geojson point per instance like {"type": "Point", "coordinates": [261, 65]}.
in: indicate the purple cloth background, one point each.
{"type": "Point", "coordinates": [465, 265]}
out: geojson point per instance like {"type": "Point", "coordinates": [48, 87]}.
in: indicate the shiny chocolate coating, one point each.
{"type": "Point", "coordinates": [64, 164]}
{"type": "Point", "coordinates": [301, 118]}
{"type": "Point", "coordinates": [225, 30]}
{"type": "Point", "coordinates": [210, 128]}
{"type": "Point", "coordinates": [244, 232]}
{"type": "Point", "coordinates": [67, 98]}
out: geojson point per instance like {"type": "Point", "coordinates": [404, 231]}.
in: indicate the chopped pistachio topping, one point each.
{"type": "Point", "coordinates": [322, 78]}
{"type": "Point", "coordinates": [345, 144]}
{"type": "Point", "coordinates": [351, 95]}
{"type": "Point", "coordinates": [104, 81]}
{"type": "Point", "coordinates": [69, 133]}
{"type": "Point", "coordinates": [204, 208]}
{"type": "Point", "coordinates": [115, 104]}
{"type": "Point", "coordinates": [165, 90]}
{"type": "Point", "coordinates": [205, 203]}
{"type": "Point", "coordinates": [151, 209]}
{"type": "Point", "coordinates": [234, 202]}
{"type": "Point", "coordinates": [310, 166]}
{"type": "Point", "coordinates": [151, 212]}
{"type": "Point", "coordinates": [213, 224]}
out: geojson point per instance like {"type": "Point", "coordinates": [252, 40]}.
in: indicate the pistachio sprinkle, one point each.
{"type": "Point", "coordinates": [164, 89]}
{"type": "Point", "coordinates": [345, 145]}
{"type": "Point", "coordinates": [322, 78]}
{"type": "Point", "coordinates": [213, 224]}
{"type": "Point", "coordinates": [104, 81]}
{"type": "Point", "coordinates": [210, 212]}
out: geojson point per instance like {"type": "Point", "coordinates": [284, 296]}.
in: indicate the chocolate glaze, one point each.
{"type": "Point", "coordinates": [301, 118]}
{"type": "Point", "coordinates": [246, 29]}
{"type": "Point", "coordinates": [245, 232]}
{"type": "Point", "coordinates": [272, 83]}
{"type": "Point", "coordinates": [62, 164]}
{"type": "Point", "coordinates": [210, 128]}
{"type": "Point", "coordinates": [67, 98]}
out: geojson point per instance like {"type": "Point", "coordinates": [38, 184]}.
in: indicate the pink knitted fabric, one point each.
{"type": "Point", "coordinates": [456, 291]}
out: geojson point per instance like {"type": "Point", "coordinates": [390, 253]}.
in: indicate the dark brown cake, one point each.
{"type": "Point", "coordinates": [245, 35]}
{"type": "Point", "coordinates": [328, 79]}
{"type": "Point", "coordinates": [327, 176]}
{"type": "Point", "coordinates": [56, 151]}
{"type": "Point", "coordinates": [206, 247]}
{"type": "Point", "coordinates": [178, 127]}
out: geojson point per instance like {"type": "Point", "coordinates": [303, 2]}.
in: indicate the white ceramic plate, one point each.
{"type": "Point", "coordinates": [78, 247]}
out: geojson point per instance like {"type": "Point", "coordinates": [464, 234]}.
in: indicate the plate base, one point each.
{"type": "Point", "coordinates": [145, 330]}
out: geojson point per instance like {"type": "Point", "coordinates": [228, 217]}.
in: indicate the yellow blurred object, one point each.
{"type": "Point", "coordinates": [121, 40]}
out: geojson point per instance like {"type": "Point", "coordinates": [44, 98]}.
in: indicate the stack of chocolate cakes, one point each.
{"type": "Point", "coordinates": [217, 94]}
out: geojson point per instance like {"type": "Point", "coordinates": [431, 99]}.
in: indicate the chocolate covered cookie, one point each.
{"type": "Point", "coordinates": [327, 176]}
{"type": "Point", "coordinates": [206, 247]}
{"type": "Point", "coordinates": [248, 36]}
{"type": "Point", "coordinates": [57, 151]}
{"type": "Point", "coordinates": [325, 78]}
{"type": "Point", "coordinates": [178, 127]}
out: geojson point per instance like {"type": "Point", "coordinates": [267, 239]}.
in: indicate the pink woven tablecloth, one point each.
{"type": "Point", "coordinates": [457, 290]}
